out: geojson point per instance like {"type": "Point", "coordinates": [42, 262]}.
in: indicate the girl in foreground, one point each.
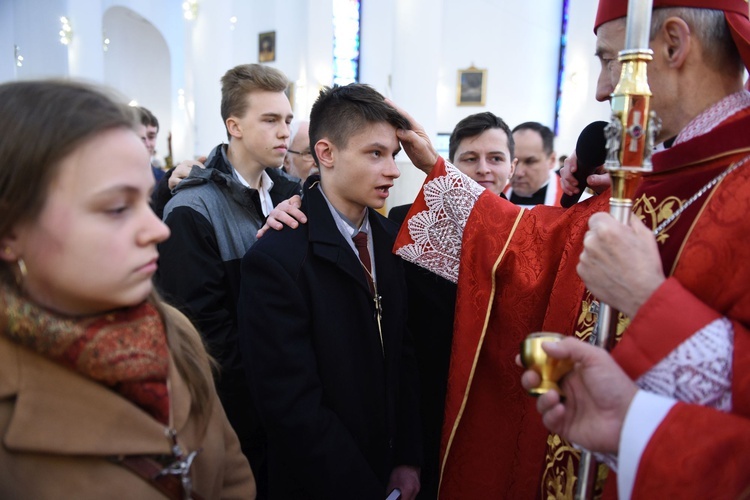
{"type": "Point", "coordinates": [105, 391]}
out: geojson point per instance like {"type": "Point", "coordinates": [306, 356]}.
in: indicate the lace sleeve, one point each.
{"type": "Point", "coordinates": [698, 371]}
{"type": "Point", "coordinates": [437, 232]}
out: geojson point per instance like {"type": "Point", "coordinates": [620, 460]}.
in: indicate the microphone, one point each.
{"type": "Point", "coordinates": [591, 151]}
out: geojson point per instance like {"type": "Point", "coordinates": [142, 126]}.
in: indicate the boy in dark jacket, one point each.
{"type": "Point", "coordinates": [325, 345]}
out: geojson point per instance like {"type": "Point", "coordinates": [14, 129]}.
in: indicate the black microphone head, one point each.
{"type": "Point", "coordinates": [591, 148]}
{"type": "Point", "coordinates": [591, 151]}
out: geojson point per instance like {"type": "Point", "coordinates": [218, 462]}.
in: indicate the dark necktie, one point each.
{"type": "Point", "coordinates": [360, 243]}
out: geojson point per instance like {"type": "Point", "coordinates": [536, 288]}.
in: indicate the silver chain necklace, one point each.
{"type": "Point", "coordinates": [731, 168]}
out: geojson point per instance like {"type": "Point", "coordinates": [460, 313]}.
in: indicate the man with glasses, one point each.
{"type": "Point", "coordinates": [298, 161]}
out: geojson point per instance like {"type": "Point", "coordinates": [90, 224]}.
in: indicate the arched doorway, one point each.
{"type": "Point", "coordinates": [138, 63]}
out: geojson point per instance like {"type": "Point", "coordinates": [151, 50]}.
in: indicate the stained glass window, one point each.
{"type": "Point", "coordinates": [346, 33]}
{"type": "Point", "coordinates": [561, 65]}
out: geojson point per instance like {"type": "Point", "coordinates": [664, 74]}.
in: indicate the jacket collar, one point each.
{"type": "Point", "coordinates": [59, 411]}
{"type": "Point", "coordinates": [220, 173]}
{"type": "Point", "coordinates": [328, 243]}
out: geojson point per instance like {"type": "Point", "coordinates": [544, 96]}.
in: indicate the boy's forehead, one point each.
{"type": "Point", "coordinates": [263, 100]}
{"type": "Point", "coordinates": [359, 133]}
{"type": "Point", "coordinates": [496, 138]}
{"type": "Point", "coordinates": [374, 132]}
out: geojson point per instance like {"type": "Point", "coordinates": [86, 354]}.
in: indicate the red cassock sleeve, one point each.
{"type": "Point", "coordinates": [696, 453]}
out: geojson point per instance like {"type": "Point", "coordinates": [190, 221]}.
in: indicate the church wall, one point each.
{"type": "Point", "coordinates": [411, 52]}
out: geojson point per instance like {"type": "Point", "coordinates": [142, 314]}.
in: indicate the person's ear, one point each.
{"type": "Point", "coordinates": [9, 247]}
{"type": "Point", "coordinates": [552, 160]}
{"type": "Point", "coordinates": [325, 151]}
{"type": "Point", "coordinates": [513, 168]}
{"type": "Point", "coordinates": [233, 127]}
{"type": "Point", "coordinates": [676, 40]}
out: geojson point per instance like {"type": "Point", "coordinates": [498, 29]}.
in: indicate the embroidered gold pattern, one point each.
{"type": "Point", "coordinates": [561, 460]}
{"type": "Point", "coordinates": [558, 480]}
{"type": "Point", "coordinates": [559, 477]}
{"type": "Point", "coordinates": [622, 323]}
{"type": "Point", "coordinates": [652, 214]}
{"type": "Point", "coordinates": [587, 318]}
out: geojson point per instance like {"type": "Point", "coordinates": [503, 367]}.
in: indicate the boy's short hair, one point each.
{"type": "Point", "coordinates": [147, 118]}
{"type": "Point", "coordinates": [241, 80]}
{"type": "Point", "coordinates": [474, 125]}
{"type": "Point", "coordinates": [340, 112]}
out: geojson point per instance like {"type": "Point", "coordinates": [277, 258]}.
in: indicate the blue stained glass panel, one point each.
{"type": "Point", "coordinates": [561, 66]}
{"type": "Point", "coordinates": [346, 31]}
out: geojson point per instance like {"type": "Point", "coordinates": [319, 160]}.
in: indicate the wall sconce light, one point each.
{"type": "Point", "coordinates": [190, 9]}
{"type": "Point", "coordinates": [232, 22]}
{"type": "Point", "coordinates": [105, 41]}
{"type": "Point", "coordinates": [17, 55]}
{"type": "Point", "coordinates": [66, 31]}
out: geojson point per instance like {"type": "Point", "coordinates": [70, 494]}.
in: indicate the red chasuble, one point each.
{"type": "Point", "coordinates": [517, 275]}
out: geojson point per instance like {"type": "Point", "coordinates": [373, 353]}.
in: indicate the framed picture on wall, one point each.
{"type": "Point", "coordinates": [472, 87]}
{"type": "Point", "coordinates": [267, 46]}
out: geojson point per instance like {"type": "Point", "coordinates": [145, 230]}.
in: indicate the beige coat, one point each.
{"type": "Point", "coordinates": [57, 428]}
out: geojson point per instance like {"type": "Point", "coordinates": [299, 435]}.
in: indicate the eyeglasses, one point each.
{"type": "Point", "coordinates": [306, 154]}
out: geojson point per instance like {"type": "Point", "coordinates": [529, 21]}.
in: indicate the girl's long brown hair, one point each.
{"type": "Point", "coordinates": [41, 123]}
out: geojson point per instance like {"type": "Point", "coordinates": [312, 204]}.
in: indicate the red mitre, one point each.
{"type": "Point", "coordinates": [735, 11]}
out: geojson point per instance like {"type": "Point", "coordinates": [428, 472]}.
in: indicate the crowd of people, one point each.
{"type": "Point", "coordinates": [269, 334]}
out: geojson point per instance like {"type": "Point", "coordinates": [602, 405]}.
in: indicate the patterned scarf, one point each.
{"type": "Point", "coordinates": [126, 350]}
